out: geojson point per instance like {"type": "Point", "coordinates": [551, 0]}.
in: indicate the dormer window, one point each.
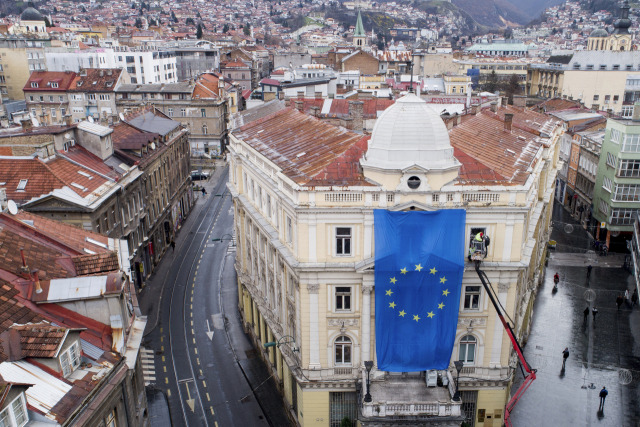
{"type": "Point", "coordinates": [54, 84]}
{"type": "Point", "coordinates": [70, 359]}
{"type": "Point", "coordinates": [109, 84]}
{"type": "Point", "coordinates": [34, 84]}
{"type": "Point", "coordinates": [15, 414]}
{"type": "Point", "coordinates": [80, 83]}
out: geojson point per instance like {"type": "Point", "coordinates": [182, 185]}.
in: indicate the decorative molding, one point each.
{"type": "Point", "coordinates": [313, 288]}
{"type": "Point", "coordinates": [503, 287]}
{"type": "Point", "coordinates": [477, 321]}
{"type": "Point", "coordinates": [338, 322]}
{"type": "Point", "coordinates": [367, 288]}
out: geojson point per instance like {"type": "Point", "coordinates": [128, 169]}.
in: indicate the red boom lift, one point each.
{"type": "Point", "coordinates": [530, 375]}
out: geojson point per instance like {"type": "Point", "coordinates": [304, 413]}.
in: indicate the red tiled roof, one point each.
{"type": "Point", "coordinates": [39, 339]}
{"type": "Point", "coordinates": [12, 311]}
{"type": "Point", "coordinates": [45, 78]}
{"type": "Point", "coordinates": [340, 107]}
{"type": "Point", "coordinates": [309, 151]}
{"type": "Point", "coordinates": [95, 80]}
{"type": "Point", "coordinates": [81, 155]}
{"type": "Point", "coordinates": [555, 104]}
{"type": "Point", "coordinates": [234, 64]}
{"type": "Point", "coordinates": [96, 263]}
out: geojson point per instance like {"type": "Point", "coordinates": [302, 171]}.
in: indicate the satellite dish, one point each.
{"type": "Point", "coordinates": [90, 119]}
{"type": "Point", "coordinates": [35, 122]}
{"type": "Point", "coordinates": [121, 116]}
{"type": "Point", "coordinates": [67, 135]}
{"type": "Point", "coordinates": [13, 208]}
{"type": "Point", "coordinates": [153, 145]}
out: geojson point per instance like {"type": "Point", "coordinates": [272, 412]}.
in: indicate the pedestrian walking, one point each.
{"type": "Point", "coordinates": [626, 296]}
{"type": "Point", "coordinates": [603, 396]}
{"type": "Point", "coordinates": [204, 192]}
{"type": "Point", "coordinates": [565, 356]}
{"type": "Point", "coordinates": [589, 268]}
{"type": "Point", "coordinates": [594, 311]}
{"type": "Point", "coordinates": [173, 245]}
{"type": "Point", "coordinates": [634, 298]}
{"type": "Point", "coordinates": [619, 301]}
{"type": "Point", "coordinates": [586, 316]}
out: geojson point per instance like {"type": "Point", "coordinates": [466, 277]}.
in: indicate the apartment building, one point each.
{"type": "Point", "coordinates": [19, 57]}
{"type": "Point", "coordinates": [46, 95]}
{"type": "Point", "coordinates": [92, 94]}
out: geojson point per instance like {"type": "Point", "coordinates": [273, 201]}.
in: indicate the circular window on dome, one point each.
{"type": "Point", "coordinates": [413, 182]}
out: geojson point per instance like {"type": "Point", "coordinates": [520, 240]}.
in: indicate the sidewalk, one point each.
{"type": "Point", "coordinates": [605, 352]}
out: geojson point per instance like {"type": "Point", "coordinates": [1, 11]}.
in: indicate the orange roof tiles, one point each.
{"type": "Point", "coordinates": [46, 80]}
{"type": "Point", "coordinates": [40, 339]}
{"type": "Point", "coordinates": [95, 80]}
{"type": "Point", "coordinates": [309, 151]}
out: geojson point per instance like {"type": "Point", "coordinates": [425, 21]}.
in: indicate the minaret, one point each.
{"type": "Point", "coordinates": [359, 36]}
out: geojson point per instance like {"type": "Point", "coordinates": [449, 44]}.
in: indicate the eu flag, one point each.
{"type": "Point", "coordinates": [419, 262]}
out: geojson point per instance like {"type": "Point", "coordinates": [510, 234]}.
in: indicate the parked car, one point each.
{"type": "Point", "coordinates": [199, 175]}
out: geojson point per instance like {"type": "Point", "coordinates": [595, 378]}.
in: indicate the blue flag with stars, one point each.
{"type": "Point", "coordinates": [419, 262]}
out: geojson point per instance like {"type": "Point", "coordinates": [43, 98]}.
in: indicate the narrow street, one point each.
{"type": "Point", "coordinates": [204, 362]}
{"type": "Point", "coordinates": [604, 352]}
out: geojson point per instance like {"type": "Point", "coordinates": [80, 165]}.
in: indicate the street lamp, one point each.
{"type": "Point", "coordinates": [458, 364]}
{"type": "Point", "coordinates": [287, 339]}
{"type": "Point", "coordinates": [368, 364]}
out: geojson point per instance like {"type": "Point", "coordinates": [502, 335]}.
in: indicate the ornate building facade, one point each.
{"type": "Point", "coordinates": [304, 195]}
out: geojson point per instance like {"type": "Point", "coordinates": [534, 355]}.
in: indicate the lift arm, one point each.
{"type": "Point", "coordinates": [530, 373]}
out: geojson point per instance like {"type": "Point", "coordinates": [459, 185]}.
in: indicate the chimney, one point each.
{"type": "Point", "coordinates": [68, 120]}
{"type": "Point", "coordinates": [356, 110]}
{"type": "Point", "coordinates": [318, 95]}
{"type": "Point", "coordinates": [519, 101]}
{"type": "Point", "coordinates": [109, 72]}
{"type": "Point", "coordinates": [36, 279]}
{"type": "Point", "coordinates": [475, 109]}
{"type": "Point", "coordinates": [315, 111]}
{"type": "Point", "coordinates": [494, 106]}
{"type": "Point", "coordinates": [281, 95]}
{"type": "Point", "coordinates": [299, 106]}
{"type": "Point", "coordinates": [27, 125]}
{"type": "Point", "coordinates": [300, 94]}
{"type": "Point", "coordinates": [101, 73]}
{"type": "Point", "coordinates": [636, 112]}
{"type": "Point", "coordinates": [508, 121]}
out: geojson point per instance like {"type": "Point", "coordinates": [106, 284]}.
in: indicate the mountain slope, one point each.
{"type": "Point", "coordinates": [493, 13]}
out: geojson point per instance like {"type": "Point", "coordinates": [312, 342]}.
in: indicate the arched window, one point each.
{"type": "Point", "coordinates": [468, 349]}
{"type": "Point", "coordinates": [343, 351]}
{"type": "Point", "coordinates": [204, 129]}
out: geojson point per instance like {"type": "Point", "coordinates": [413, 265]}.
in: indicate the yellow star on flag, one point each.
{"type": "Point", "coordinates": [402, 313]}
{"type": "Point", "coordinates": [446, 292]}
{"type": "Point", "coordinates": [416, 317]}
{"type": "Point", "coordinates": [430, 314]}
{"type": "Point", "coordinates": [419, 267]}
{"type": "Point", "coordinates": [389, 292]}
{"type": "Point", "coordinates": [392, 304]}
{"type": "Point", "coordinates": [403, 271]}
{"type": "Point", "coordinates": [443, 279]}
{"type": "Point", "coordinates": [433, 270]}
{"type": "Point", "coordinates": [441, 305]}
{"type": "Point", "coordinates": [393, 280]}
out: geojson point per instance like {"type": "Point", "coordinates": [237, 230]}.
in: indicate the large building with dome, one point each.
{"type": "Point", "coordinates": [304, 196]}
{"type": "Point", "coordinates": [31, 22]}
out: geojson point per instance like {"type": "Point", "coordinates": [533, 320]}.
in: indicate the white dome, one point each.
{"type": "Point", "coordinates": [408, 133]}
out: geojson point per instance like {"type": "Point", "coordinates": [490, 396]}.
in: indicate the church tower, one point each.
{"type": "Point", "coordinates": [359, 35]}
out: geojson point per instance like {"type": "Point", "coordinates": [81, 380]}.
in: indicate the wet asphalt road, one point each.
{"type": "Point", "coordinates": [605, 352]}
{"type": "Point", "coordinates": [201, 350]}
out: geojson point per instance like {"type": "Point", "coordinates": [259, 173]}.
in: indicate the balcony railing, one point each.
{"type": "Point", "coordinates": [404, 409]}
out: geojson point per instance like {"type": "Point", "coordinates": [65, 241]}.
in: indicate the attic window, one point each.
{"type": "Point", "coordinates": [95, 242]}
{"type": "Point", "coordinates": [80, 83]}
{"type": "Point", "coordinates": [70, 359]}
{"type": "Point", "coordinates": [78, 186]}
{"type": "Point", "coordinates": [576, 66]}
{"type": "Point", "coordinates": [22, 185]}
{"type": "Point", "coordinates": [94, 83]}
{"type": "Point", "coordinates": [34, 84]}
{"type": "Point", "coordinates": [83, 173]}
{"type": "Point", "coordinates": [54, 84]}
{"type": "Point", "coordinates": [109, 84]}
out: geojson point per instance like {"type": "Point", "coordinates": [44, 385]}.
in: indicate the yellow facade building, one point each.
{"type": "Point", "coordinates": [304, 194]}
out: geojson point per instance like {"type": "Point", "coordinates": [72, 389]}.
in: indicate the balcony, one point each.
{"type": "Point", "coordinates": [410, 399]}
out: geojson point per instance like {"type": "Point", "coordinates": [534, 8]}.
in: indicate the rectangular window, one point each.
{"type": "Point", "coordinates": [615, 136]}
{"type": "Point", "coordinates": [606, 184]}
{"type": "Point", "coordinates": [170, 112]}
{"type": "Point", "coordinates": [14, 414]}
{"type": "Point", "coordinates": [604, 208]}
{"type": "Point", "coordinates": [289, 230]}
{"type": "Point", "coordinates": [631, 144]}
{"type": "Point", "coordinates": [53, 113]}
{"type": "Point", "coordinates": [629, 168]}
{"type": "Point", "coordinates": [623, 216]}
{"type": "Point", "coordinates": [343, 298]}
{"type": "Point", "coordinates": [183, 112]}
{"type": "Point", "coordinates": [626, 193]}
{"type": "Point", "coordinates": [343, 241]}
{"type": "Point", "coordinates": [50, 98]}
{"type": "Point", "coordinates": [203, 112]}
{"type": "Point", "coordinates": [104, 97]}
{"type": "Point", "coordinates": [70, 359]}
{"type": "Point", "coordinates": [110, 421]}
{"type": "Point", "coordinates": [471, 297]}
{"type": "Point", "coordinates": [596, 97]}
{"type": "Point", "coordinates": [612, 160]}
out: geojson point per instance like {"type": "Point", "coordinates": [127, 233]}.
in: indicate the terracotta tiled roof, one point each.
{"type": "Point", "coordinates": [493, 153]}
{"type": "Point", "coordinates": [40, 339]}
{"type": "Point", "coordinates": [45, 80]}
{"type": "Point", "coordinates": [309, 151]}
{"type": "Point", "coordinates": [95, 80]}
{"type": "Point", "coordinates": [234, 64]}
{"type": "Point", "coordinates": [12, 311]}
{"type": "Point", "coordinates": [44, 177]}
{"type": "Point", "coordinates": [206, 87]}
{"type": "Point", "coordinates": [81, 155]}
{"type": "Point", "coordinates": [96, 263]}
{"type": "Point", "coordinates": [339, 108]}
{"type": "Point", "coordinates": [555, 104]}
